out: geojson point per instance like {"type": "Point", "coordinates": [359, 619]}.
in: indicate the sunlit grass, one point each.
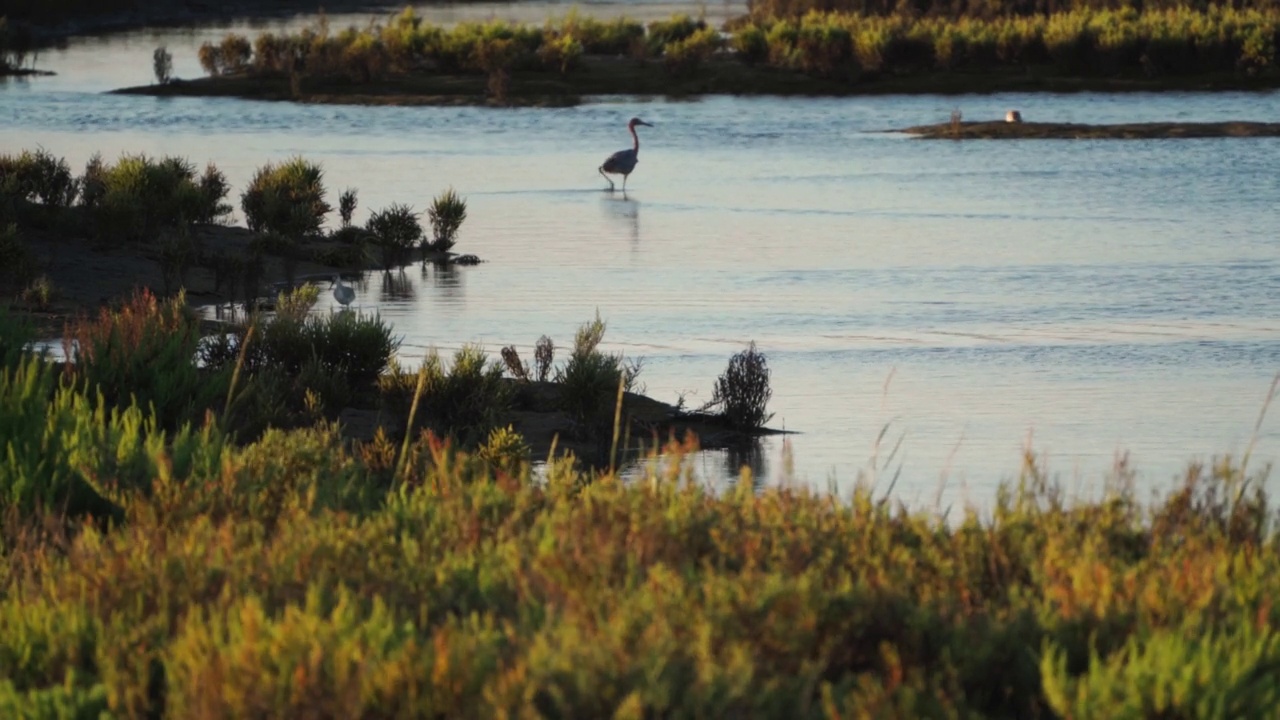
{"type": "Point", "coordinates": [148, 571]}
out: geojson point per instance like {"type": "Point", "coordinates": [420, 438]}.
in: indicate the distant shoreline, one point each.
{"type": "Point", "coordinates": [626, 76]}
{"type": "Point", "coordinates": [996, 130]}
{"type": "Point", "coordinates": [185, 13]}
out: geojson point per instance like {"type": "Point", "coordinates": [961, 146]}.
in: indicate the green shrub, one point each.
{"type": "Point", "coordinates": [684, 57]}
{"type": "Point", "coordinates": [347, 206]}
{"type": "Point", "coordinates": [397, 231]}
{"type": "Point", "coordinates": [751, 44]}
{"type": "Point", "coordinates": [231, 55]}
{"type": "Point", "coordinates": [561, 54]}
{"type": "Point", "coordinates": [743, 390]}
{"type": "Point", "coordinates": [662, 33]}
{"type": "Point", "coordinates": [600, 37]}
{"type": "Point", "coordinates": [143, 353]}
{"type": "Point", "coordinates": [447, 213]}
{"type": "Point", "coordinates": [589, 382]}
{"type": "Point", "coordinates": [1172, 674]}
{"type": "Point", "coordinates": [138, 197]}
{"type": "Point", "coordinates": [354, 345]}
{"type": "Point", "coordinates": [286, 198]}
{"type": "Point", "coordinates": [38, 177]}
{"type": "Point", "coordinates": [463, 401]}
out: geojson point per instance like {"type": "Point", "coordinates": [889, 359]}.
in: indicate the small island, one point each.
{"type": "Point", "coordinates": [407, 61]}
{"type": "Point", "coordinates": [1002, 130]}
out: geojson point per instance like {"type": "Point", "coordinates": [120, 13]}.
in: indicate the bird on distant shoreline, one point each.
{"type": "Point", "coordinates": [344, 294]}
{"type": "Point", "coordinates": [624, 162]}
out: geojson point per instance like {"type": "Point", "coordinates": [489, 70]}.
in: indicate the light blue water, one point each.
{"type": "Point", "coordinates": [1085, 297]}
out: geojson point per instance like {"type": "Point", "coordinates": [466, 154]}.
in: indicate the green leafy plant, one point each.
{"type": "Point", "coordinates": [447, 213]}
{"type": "Point", "coordinates": [397, 232]}
{"type": "Point", "coordinates": [286, 198]}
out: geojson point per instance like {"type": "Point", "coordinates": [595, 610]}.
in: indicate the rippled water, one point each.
{"type": "Point", "coordinates": [1086, 297]}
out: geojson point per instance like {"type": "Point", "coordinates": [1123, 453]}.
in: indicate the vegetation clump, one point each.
{"type": "Point", "coordinates": [842, 48]}
{"type": "Point", "coordinates": [742, 392]}
{"type": "Point", "coordinates": [447, 213]}
{"type": "Point", "coordinates": [397, 231]}
{"type": "Point", "coordinates": [287, 198]}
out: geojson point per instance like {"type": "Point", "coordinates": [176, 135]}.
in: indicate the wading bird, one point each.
{"type": "Point", "coordinates": [624, 161]}
{"type": "Point", "coordinates": [342, 293]}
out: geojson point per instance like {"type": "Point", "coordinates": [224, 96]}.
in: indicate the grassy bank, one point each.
{"type": "Point", "coordinates": [184, 571]}
{"type": "Point", "coordinates": [408, 61]}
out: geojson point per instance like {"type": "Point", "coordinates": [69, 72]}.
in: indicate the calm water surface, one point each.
{"type": "Point", "coordinates": [1084, 298]}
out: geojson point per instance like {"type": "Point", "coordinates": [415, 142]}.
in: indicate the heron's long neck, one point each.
{"type": "Point", "coordinates": [636, 148]}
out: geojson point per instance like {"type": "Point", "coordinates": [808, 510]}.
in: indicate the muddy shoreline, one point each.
{"type": "Point", "coordinates": [999, 130]}
{"type": "Point", "coordinates": [600, 75]}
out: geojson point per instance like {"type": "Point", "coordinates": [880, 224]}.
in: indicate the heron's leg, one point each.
{"type": "Point", "coordinates": [606, 177]}
{"type": "Point", "coordinates": [624, 181]}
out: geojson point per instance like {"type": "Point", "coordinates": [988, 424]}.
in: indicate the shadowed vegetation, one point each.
{"type": "Point", "coordinates": [824, 52]}
{"type": "Point", "coordinates": [298, 575]}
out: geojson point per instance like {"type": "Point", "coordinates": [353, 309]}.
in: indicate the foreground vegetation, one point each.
{"type": "Point", "coordinates": [159, 567]}
{"type": "Point", "coordinates": [408, 60]}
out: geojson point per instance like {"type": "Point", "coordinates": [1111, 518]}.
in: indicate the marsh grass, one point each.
{"type": "Point", "coordinates": [847, 46]}
{"type": "Point", "coordinates": [743, 391]}
{"type": "Point", "coordinates": [284, 578]}
{"type": "Point", "coordinates": [464, 400]}
{"type": "Point", "coordinates": [591, 383]}
{"type": "Point", "coordinates": [447, 213]}
{"type": "Point", "coordinates": [1079, 42]}
{"type": "Point", "coordinates": [398, 232]}
{"type": "Point", "coordinates": [296, 575]}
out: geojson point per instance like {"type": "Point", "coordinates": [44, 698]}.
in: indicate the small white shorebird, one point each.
{"type": "Point", "coordinates": [344, 294]}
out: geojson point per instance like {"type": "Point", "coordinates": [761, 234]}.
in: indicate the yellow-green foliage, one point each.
{"type": "Point", "coordinates": [286, 198]}
{"type": "Point", "coordinates": [295, 576]}
{"type": "Point", "coordinates": [138, 196]}
{"type": "Point", "coordinates": [142, 352]}
{"type": "Point", "coordinates": [1083, 42]}
{"type": "Point", "coordinates": [37, 176]}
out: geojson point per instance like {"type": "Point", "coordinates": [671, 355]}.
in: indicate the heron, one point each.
{"type": "Point", "coordinates": [624, 161]}
{"type": "Point", "coordinates": [344, 294]}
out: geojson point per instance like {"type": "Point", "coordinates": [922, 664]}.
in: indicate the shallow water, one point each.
{"type": "Point", "coordinates": [1087, 298]}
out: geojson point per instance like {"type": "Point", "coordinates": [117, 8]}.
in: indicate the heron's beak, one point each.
{"type": "Point", "coordinates": [645, 124]}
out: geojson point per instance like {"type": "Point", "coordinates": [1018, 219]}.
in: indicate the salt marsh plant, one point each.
{"type": "Point", "coordinates": [230, 56]}
{"type": "Point", "coordinates": [287, 198]}
{"type": "Point", "coordinates": [286, 578]}
{"type": "Point", "coordinates": [464, 400]}
{"type": "Point", "coordinates": [397, 232]}
{"type": "Point", "coordinates": [138, 196]}
{"type": "Point", "coordinates": [591, 380]}
{"type": "Point", "coordinates": [447, 213]}
{"type": "Point", "coordinates": [743, 391]}
{"type": "Point", "coordinates": [685, 56]}
{"type": "Point", "coordinates": [142, 352]}
{"type": "Point", "coordinates": [162, 64]}
{"type": "Point", "coordinates": [347, 206]}
{"type": "Point", "coordinates": [38, 177]}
